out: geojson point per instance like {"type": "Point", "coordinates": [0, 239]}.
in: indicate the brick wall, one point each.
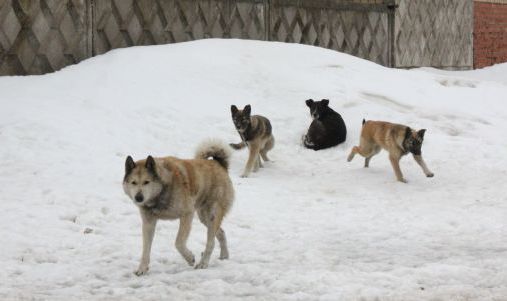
{"type": "Point", "coordinates": [490, 32]}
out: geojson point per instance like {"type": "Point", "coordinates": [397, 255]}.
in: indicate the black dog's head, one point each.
{"type": "Point", "coordinates": [318, 109]}
{"type": "Point", "coordinates": [413, 141]}
{"type": "Point", "coordinates": [241, 118]}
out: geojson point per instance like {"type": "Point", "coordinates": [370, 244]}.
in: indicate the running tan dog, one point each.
{"type": "Point", "coordinates": [171, 188]}
{"type": "Point", "coordinates": [397, 139]}
{"type": "Point", "coordinates": [256, 133]}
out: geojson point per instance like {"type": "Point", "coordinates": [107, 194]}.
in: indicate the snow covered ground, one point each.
{"type": "Point", "coordinates": [308, 226]}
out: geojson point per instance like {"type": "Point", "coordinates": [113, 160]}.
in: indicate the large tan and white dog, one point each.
{"type": "Point", "coordinates": [172, 188]}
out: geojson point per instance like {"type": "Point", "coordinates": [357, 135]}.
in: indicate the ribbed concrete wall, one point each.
{"type": "Point", "coordinates": [436, 33]}
{"type": "Point", "coordinates": [40, 36]}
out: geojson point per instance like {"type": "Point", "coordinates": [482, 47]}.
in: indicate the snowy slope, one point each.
{"type": "Point", "coordinates": [496, 73]}
{"type": "Point", "coordinates": [308, 226]}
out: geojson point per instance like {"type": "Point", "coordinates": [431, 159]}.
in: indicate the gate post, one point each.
{"type": "Point", "coordinates": [89, 20]}
{"type": "Point", "coordinates": [391, 16]}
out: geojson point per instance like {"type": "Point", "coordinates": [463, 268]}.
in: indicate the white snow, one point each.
{"type": "Point", "coordinates": [495, 73]}
{"type": "Point", "coordinates": [308, 226]}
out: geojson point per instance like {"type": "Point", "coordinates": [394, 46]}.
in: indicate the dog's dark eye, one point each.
{"type": "Point", "coordinates": [134, 183]}
{"type": "Point", "coordinates": [146, 182]}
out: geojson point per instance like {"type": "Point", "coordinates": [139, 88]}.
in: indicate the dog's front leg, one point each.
{"type": "Point", "coordinates": [181, 238]}
{"type": "Point", "coordinates": [258, 163]}
{"type": "Point", "coordinates": [420, 161]}
{"type": "Point", "coordinates": [149, 225]}
{"type": "Point", "coordinates": [395, 162]}
{"type": "Point", "coordinates": [252, 158]}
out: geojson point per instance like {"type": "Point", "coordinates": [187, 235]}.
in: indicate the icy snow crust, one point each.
{"type": "Point", "coordinates": [308, 226]}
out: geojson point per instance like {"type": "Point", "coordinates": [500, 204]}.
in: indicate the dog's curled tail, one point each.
{"type": "Point", "coordinates": [215, 149]}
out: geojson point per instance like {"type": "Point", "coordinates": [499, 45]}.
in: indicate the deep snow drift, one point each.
{"type": "Point", "coordinates": [308, 226]}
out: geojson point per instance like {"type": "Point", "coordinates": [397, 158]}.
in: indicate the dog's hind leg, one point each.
{"type": "Point", "coordinates": [353, 152]}
{"type": "Point", "coordinates": [367, 159]}
{"type": "Point", "coordinates": [364, 149]}
{"type": "Point", "coordinates": [222, 240]}
{"type": "Point", "coordinates": [269, 146]}
{"type": "Point", "coordinates": [182, 236]}
{"type": "Point", "coordinates": [212, 221]}
{"type": "Point", "coordinates": [264, 155]}
{"type": "Point", "coordinates": [420, 161]}
{"type": "Point", "coordinates": [148, 226]}
{"type": "Point", "coordinates": [224, 252]}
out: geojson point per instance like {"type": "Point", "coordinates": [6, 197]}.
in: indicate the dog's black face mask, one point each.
{"type": "Point", "coordinates": [413, 141]}
{"type": "Point", "coordinates": [241, 118]}
{"type": "Point", "coordinates": [318, 109]}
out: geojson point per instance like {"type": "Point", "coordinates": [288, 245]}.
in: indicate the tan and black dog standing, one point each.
{"type": "Point", "coordinates": [172, 188]}
{"type": "Point", "coordinates": [397, 139]}
{"type": "Point", "coordinates": [256, 133]}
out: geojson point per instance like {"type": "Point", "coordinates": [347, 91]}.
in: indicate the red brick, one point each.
{"type": "Point", "coordinates": [490, 34]}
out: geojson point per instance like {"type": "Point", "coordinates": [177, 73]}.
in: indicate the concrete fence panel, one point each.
{"type": "Point", "coordinates": [437, 33]}
{"type": "Point", "coordinates": [40, 36]}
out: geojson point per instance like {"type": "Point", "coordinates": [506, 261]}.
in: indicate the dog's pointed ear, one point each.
{"type": "Point", "coordinates": [150, 164]}
{"type": "Point", "coordinates": [247, 110]}
{"type": "Point", "coordinates": [420, 133]}
{"type": "Point", "coordinates": [408, 132]}
{"type": "Point", "coordinates": [309, 102]}
{"type": "Point", "coordinates": [325, 102]}
{"type": "Point", "coordinates": [234, 110]}
{"type": "Point", "coordinates": [129, 165]}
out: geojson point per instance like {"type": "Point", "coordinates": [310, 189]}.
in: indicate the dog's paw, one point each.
{"type": "Point", "coordinates": [201, 265]}
{"type": "Point", "coordinates": [350, 157]}
{"type": "Point", "coordinates": [430, 175]}
{"type": "Point", "coordinates": [244, 176]}
{"type": "Point", "coordinates": [402, 180]}
{"type": "Point", "coordinates": [224, 256]}
{"type": "Point", "coordinates": [190, 260]}
{"type": "Point", "coordinates": [142, 270]}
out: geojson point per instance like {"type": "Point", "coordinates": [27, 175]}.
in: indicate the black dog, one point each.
{"type": "Point", "coordinates": [327, 128]}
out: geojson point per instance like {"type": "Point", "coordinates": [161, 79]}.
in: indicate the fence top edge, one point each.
{"type": "Point", "coordinates": [333, 4]}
